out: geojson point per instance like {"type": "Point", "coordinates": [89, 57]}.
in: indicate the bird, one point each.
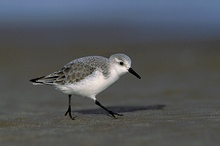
{"type": "Point", "coordinates": [87, 77]}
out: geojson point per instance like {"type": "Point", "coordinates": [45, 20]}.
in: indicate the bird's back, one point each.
{"type": "Point", "coordinates": [75, 71]}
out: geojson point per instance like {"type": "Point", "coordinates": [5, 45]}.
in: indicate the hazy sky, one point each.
{"type": "Point", "coordinates": [201, 16]}
{"type": "Point", "coordinates": [196, 11]}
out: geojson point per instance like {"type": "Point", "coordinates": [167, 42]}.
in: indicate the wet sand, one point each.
{"type": "Point", "coordinates": [175, 103]}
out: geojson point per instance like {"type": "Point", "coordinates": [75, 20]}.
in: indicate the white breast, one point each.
{"type": "Point", "coordinates": [91, 85]}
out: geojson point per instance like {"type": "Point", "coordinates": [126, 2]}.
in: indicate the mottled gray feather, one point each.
{"type": "Point", "coordinates": [77, 70]}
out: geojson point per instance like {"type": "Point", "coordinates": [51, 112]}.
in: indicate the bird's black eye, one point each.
{"type": "Point", "coordinates": [121, 63]}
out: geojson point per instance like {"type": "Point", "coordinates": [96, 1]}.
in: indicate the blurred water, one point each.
{"type": "Point", "coordinates": [129, 20]}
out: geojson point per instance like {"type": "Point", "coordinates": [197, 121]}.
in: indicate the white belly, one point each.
{"type": "Point", "coordinates": [90, 86]}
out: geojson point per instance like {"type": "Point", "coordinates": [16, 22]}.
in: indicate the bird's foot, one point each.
{"type": "Point", "coordinates": [70, 115]}
{"type": "Point", "coordinates": [113, 114]}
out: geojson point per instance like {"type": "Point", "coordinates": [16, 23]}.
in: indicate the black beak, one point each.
{"type": "Point", "coordinates": [134, 73]}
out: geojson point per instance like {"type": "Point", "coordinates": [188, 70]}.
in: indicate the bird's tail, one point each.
{"type": "Point", "coordinates": [43, 80]}
{"type": "Point", "coordinates": [38, 81]}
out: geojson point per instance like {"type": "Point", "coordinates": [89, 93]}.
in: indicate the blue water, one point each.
{"type": "Point", "coordinates": [155, 19]}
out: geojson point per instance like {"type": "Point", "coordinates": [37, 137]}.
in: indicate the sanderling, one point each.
{"type": "Point", "coordinates": [88, 76]}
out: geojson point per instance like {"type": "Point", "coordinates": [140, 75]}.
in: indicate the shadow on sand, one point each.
{"type": "Point", "coordinates": [121, 109]}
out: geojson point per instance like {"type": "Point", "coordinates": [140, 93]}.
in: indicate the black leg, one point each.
{"type": "Point", "coordinates": [109, 111]}
{"type": "Point", "coordinates": [69, 108]}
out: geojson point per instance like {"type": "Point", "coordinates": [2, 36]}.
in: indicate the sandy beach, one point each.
{"type": "Point", "coordinates": [175, 103]}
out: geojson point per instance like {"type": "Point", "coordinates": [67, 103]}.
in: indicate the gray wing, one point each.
{"type": "Point", "coordinates": [69, 74]}
{"type": "Point", "coordinates": [75, 71]}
